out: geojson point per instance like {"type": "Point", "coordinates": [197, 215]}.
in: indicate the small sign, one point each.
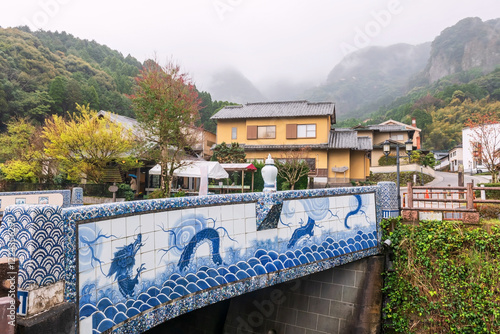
{"type": "Point", "coordinates": [113, 188]}
{"type": "Point", "coordinates": [22, 296]}
{"type": "Point", "coordinates": [20, 201]}
{"type": "Point", "coordinates": [430, 215]}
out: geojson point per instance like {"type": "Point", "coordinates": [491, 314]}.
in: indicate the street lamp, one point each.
{"type": "Point", "coordinates": [387, 149]}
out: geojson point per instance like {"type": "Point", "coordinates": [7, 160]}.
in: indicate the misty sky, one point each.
{"type": "Point", "coordinates": [266, 40]}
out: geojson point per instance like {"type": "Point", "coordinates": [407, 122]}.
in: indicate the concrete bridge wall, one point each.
{"type": "Point", "coordinates": [344, 299]}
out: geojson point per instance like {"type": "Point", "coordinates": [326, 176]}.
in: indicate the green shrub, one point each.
{"type": "Point", "coordinates": [387, 161]}
{"type": "Point", "coordinates": [158, 193]}
{"type": "Point", "coordinates": [490, 194]}
{"type": "Point", "coordinates": [124, 191]}
{"type": "Point", "coordinates": [446, 278]}
{"type": "Point", "coordinates": [488, 211]}
{"type": "Point", "coordinates": [405, 177]}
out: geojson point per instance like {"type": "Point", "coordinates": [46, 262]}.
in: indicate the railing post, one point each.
{"type": "Point", "coordinates": [410, 195]}
{"type": "Point", "coordinates": [470, 197]}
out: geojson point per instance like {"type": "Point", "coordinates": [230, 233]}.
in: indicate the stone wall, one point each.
{"type": "Point", "coordinates": [338, 300]}
{"type": "Point", "coordinates": [328, 302]}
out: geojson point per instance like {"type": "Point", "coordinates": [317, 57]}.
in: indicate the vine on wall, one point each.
{"type": "Point", "coordinates": [446, 278]}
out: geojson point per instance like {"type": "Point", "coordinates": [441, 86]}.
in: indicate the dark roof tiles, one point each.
{"type": "Point", "coordinates": [277, 109]}
{"type": "Point", "coordinates": [348, 139]}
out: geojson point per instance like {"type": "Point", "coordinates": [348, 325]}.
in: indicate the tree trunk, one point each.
{"type": "Point", "coordinates": [166, 181]}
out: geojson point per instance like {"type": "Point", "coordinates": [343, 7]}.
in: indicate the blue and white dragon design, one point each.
{"type": "Point", "coordinates": [122, 267]}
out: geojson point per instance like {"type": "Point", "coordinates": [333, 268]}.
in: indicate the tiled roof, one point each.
{"type": "Point", "coordinates": [277, 109]}
{"type": "Point", "coordinates": [365, 144]}
{"type": "Point", "coordinates": [348, 139]}
{"type": "Point", "coordinates": [341, 138]}
{"type": "Point", "coordinates": [393, 122]}
{"type": "Point", "coordinates": [399, 127]}
{"type": "Point", "coordinates": [127, 122]}
{"type": "Point", "coordinates": [387, 128]}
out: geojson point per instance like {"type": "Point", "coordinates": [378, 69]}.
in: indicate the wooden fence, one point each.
{"type": "Point", "coordinates": [452, 203]}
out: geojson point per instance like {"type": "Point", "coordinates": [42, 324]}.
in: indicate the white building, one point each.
{"type": "Point", "coordinates": [473, 153]}
{"type": "Point", "coordinates": [456, 158]}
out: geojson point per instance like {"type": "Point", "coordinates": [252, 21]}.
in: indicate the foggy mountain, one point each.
{"type": "Point", "coordinates": [375, 76]}
{"type": "Point", "coordinates": [231, 85]}
{"type": "Point", "coordinates": [370, 77]}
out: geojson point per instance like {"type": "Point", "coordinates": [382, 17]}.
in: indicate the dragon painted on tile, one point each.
{"type": "Point", "coordinates": [302, 231]}
{"type": "Point", "coordinates": [358, 203]}
{"type": "Point", "coordinates": [190, 234]}
{"type": "Point", "coordinates": [122, 267]}
{"type": "Point", "coordinates": [316, 209]}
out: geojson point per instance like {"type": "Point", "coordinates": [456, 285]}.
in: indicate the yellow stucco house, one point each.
{"type": "Point", "coordinates": [334, 156]}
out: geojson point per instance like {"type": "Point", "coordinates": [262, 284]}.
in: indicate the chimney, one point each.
{"type": "Point", "coordinates": [414, 122]}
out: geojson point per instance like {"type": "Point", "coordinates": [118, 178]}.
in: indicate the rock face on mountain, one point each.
{"type": "Point", "coordinates": [370, 76]}
{"type": "Point", "coordinates": [395, 62]}
{"type": "Point", "coordinates": [471, 43]}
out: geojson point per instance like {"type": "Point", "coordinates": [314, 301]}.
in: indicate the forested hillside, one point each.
{"type": "Point", "coordinates": [44, 73]}
{"type": "Point", "coordinates": [441, 109]}
{"type": "Point", "coordinates": [462, 77]}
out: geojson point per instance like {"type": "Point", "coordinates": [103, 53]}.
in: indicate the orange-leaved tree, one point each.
{"type": "Point", "coordinates": [166, 105]}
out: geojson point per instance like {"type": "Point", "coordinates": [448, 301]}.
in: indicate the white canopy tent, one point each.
{"type": "Point", "coordinates": [215, 170]}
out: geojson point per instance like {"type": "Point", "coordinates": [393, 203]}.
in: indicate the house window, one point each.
{"type": "Point", "coordinates": [233, 133]}
{"type": "Point", "coordinates": [266, 132]}
{"type": "Point", "coordinates": [294, 131]}
{"type": "Point", "coordinates": [397, 137]}
{"type": "Point", "coordinates": [306, 131]}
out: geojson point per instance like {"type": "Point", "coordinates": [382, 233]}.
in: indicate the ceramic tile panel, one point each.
{"type": "Point", "coordinates": [35, 235]}
{"type": "Point", "coordinates": [147, 223]}
{"type": "Point", "coordinates": [34, 197]}
{"type": "Point", "coordinates": [183, 247]}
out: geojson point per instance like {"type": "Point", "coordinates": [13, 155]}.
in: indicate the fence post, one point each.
{"type": "Point", "coordinates": [410, 195]}
{"type": "Point", "coordinates": [470, 197]}
{"type": "Point", "coordinates": [483, 193]}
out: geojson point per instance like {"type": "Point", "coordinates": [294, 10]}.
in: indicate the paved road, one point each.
{"type": "Point", "coordinates": [444, 179]}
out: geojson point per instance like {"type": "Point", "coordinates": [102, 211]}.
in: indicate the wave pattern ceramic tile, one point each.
{"type": "Point", "coordinates": [35, 235]}
{"type": "Point", "coordinates": [192, 250]}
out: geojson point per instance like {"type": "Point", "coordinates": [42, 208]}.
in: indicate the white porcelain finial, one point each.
{"type": "Point", "coordinates": [269, 174]}
{"type": "Point", "coordinates": [269, 160]}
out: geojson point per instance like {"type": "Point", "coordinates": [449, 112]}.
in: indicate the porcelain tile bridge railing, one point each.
{"type": "Point", "coordinates": [130, 266]}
